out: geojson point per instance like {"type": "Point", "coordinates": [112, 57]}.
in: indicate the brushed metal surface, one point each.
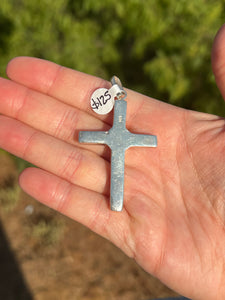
{"type": "Point", "coordinates": [118, 139]}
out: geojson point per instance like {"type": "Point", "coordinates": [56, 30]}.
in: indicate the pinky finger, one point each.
{"type": "Point", "coordinates": [87, 207]}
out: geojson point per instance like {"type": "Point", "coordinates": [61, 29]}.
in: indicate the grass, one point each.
{"type": "Point", "coordinates": [9, 197]}
{"type": "Point", "coordinates": [21, 164]}
{"type": "Point", "coordinates": [46, 230]}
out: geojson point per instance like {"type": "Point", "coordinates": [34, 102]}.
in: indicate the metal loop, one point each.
{"type": "Point", "coordinates": [122, 94]}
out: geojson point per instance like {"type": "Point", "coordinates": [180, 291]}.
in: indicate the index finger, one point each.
{"type": "Point", "coordinates": [67, 85]}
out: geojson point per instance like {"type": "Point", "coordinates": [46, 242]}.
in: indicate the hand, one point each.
{"type": "Point", "coordinates": [173, 219]}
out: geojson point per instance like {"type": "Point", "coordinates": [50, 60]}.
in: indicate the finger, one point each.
{"type": "Point", "coordinates": [73, 87]}
{"type": "Point", "coordinates": [85, 206]}
{"type": "Point", "coordinates": [45, 113]}
{"type": "Point", "coordinates": [78, 166]}
{"type": "Point", "coordinates": [69, 86]}
{"type": "Point", "coordinates": [218, 59]}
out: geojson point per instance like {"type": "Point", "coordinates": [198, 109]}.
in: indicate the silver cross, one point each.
{"type": "Point", "coordinates": [118, 138]}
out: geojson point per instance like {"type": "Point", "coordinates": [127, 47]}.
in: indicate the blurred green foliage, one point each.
{"type": "Point", "coordinates": [9, 197]}
{"type": "Point", "coordinates": [46, 232]}
{"type": "Point", "coordinates": [157, 47]}
{"type": "Point", "coordinates": [161, 48]}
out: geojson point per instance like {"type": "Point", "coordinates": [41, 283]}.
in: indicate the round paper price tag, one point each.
{"type": "Point", "coordinates": [102, 101]}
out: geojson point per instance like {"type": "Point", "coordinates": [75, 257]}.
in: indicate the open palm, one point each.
{"type": "Point", "coordinates": [172, 223]}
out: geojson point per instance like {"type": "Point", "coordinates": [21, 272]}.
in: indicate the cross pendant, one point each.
{"type": "Point", "coordinates": [118, 139]}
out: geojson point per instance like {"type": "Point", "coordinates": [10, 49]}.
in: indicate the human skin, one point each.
{"type": "Point", "coordinates": [173, 219]}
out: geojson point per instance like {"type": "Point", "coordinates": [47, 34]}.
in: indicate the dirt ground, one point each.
{"type": "Point", "coordinates": [75, 264]}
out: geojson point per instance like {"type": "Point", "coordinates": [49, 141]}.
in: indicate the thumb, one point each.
{"type": "Point", "coordinates": [218, 60]}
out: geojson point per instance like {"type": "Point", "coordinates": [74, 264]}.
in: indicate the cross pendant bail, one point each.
{"type": "Point", "coordinates": [118, 139]}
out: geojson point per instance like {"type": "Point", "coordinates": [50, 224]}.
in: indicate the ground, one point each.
{"type": "Point", "coordinates": [46, 256]}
